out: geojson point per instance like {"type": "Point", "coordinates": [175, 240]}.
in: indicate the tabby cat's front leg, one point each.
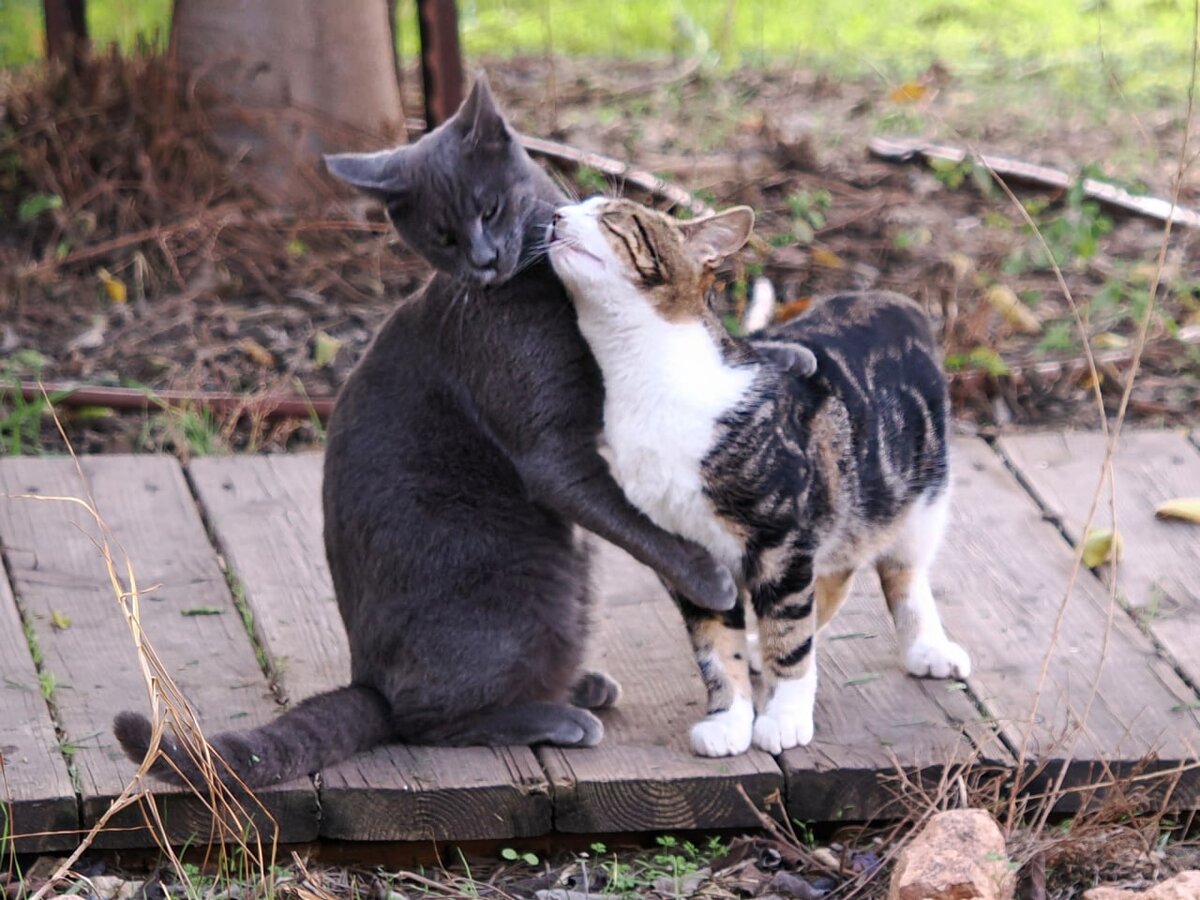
{"type": "Point", "coordinates": [787, 628]}
{"type": "Point", "coordinates": [787, 634]}
{"type": "Point", "coordinates": [719, 642]}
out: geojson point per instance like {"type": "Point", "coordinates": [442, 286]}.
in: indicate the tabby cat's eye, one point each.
{"type": "Point", "coordinates": [491, 212]}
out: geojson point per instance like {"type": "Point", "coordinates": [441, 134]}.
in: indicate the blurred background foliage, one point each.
{"type": "Point", "coordinates": [1141, 47]}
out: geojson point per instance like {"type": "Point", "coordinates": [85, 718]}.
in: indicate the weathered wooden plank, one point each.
{"type": "Point", "coordinates": [643, 776]}
{"type": "Point", "coordinates": [1159, 573]}
{"type": "Point", "coordinates": [35, 787]}
{"type": "Point", "coordinates": [266, 515]}
{"type": "Point", "coordinates": [56, 568]}
{"type": "Point", "coordinates": [1005, 571]}
{"type": "Point", "coordinates": [873, 720]}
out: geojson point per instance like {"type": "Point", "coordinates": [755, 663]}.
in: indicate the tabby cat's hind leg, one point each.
{"type": "Point", "coordinates": [903, 571]}
{"type": "Point", "coordinates": [522, 723]}
{"type": "Point", "coordinates": [595, 690]}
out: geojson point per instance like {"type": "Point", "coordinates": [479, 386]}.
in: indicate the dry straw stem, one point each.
{"type": "Point", "coordinates": [232, 822]}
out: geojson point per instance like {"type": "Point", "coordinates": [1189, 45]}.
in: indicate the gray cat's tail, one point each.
{"type": "Point", "coordinates": [315, 733]}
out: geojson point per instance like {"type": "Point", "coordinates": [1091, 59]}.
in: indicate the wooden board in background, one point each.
{"type": "Point", "coordinates": [265, 512]}
{"type": "Point", "coordinates": [34, 784]}
{"type": "Point", "coordinates": [1006, 570]}
{"type": "Point", "coordinates": [643, 776]}
{"type": "Point", "coordinates": [1159, 572]}
{"type": "Point", "coordinates": [57, 569]}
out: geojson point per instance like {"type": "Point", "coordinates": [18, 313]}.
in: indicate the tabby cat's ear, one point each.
{"type": "Point", "coordinates": [382, 174]}
{"type": "Point", "coordinates": [712, 238]}
{"type": "Point", "coordinates": [479, 119]}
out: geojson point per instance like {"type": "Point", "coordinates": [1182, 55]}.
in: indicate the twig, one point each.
{"type": "Point", "coordinates": [1111, 195]}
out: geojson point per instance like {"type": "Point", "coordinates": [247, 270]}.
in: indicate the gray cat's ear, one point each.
{"type": "Point", "coordinates": [479, 119]}
{"type": "Point", "coordinates": [380, 174]}
{"type": "Point", "coordinates": [712, 238]}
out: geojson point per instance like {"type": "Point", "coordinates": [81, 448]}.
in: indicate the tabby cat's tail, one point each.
{"type": "Point", "coordinates": [315, 733]}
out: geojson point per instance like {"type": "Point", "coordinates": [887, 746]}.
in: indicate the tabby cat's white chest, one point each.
{"type": "Point", "coordinates": [666, 387]}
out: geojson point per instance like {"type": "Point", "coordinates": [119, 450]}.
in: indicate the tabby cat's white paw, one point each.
{"type": "Point", "coordinates": [781, 730]}
{"type": "Point", "coordinates": [725, 733]}
{"type": "Point", "coordinates": [937, 659]}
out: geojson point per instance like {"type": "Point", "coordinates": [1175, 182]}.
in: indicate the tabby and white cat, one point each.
{"type": "Point", "coordinates": [793, 478]}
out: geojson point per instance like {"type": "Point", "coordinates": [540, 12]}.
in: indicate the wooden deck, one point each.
{"type": "Point", "coordinates": [227, 535]}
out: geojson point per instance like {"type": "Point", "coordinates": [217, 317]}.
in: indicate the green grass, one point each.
{"type": "Point", "coordinates": [1146, 43]}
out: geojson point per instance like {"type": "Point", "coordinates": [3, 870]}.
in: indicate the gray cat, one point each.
{"type": "Point", "coordinates": [461, 456]}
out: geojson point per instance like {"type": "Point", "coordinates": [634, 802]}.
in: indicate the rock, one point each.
{"type": "Point", "coordinates": [1184, 886]}
{"type": "Point", "coordinates": [958, 855]}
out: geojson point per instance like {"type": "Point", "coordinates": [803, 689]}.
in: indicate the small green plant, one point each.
{"type": "Point", "coordinates": [31, 639]}
{"type": "Point", "coordinates": [908, 238]}
{"type": "Point", "coordinates": [47, 683]}
{"type": "Point", "coordinates": [984, 358]}
{"type": "Point", "coordinates": [190, 430]}
{"type": "Point", "coordinates": [808, 210]}
{"type": "Point", "coordinates": [21, 422]}
{"type": "Point", "coordinates": [1059, 338]}
{"type": "Point", "coordinates": [530, 859]}
{"type": "Point", "coordinates": [591, 181]}
{"type": "Point", "coordinates": [36, 204]}
{"type": "Point", "coordinates": [950, 173]}
{"type": "Point", "coordinates": [238, 590]}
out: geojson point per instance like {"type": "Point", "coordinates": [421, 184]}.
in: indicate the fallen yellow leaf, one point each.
{"type": "Point", "coordinates": [1101, 545]}
{"type": "Point", "coordinates": [1108, 341]}
{"type": "Point", "coordinates": [909, 92]}
{"type": "Point", "coordinates": [1016, 313]}
{"type": "Point", "coordinates": [256, 352]}
{"type": "Point", "coordinates": [1181, 509]}
{"type": "Point", "coordinates": [113, 286]}
{"type": "Point", "coordinates": [60, 620]}
{"type": "Point", "coordinates": [325, 349]}
{"type": "Point", "coordinates": [827, 259]}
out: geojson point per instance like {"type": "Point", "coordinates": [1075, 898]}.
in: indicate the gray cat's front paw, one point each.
{"type": "Point", "coordinates": [711, 586]}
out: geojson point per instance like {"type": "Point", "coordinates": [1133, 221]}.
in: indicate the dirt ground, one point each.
{"type": "Point", "coordinates": [156, 267]}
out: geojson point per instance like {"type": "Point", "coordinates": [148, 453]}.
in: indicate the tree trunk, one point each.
{"type": "Point", "coordinates": [291, 79]}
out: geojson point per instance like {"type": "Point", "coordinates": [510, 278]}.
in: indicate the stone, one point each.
{"type": "Point", "coordinates": [958, 855]}
{"type": "Point", "coordinates": [1184, 886]}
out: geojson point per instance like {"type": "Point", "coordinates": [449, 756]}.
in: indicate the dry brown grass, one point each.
{"type": "Point", "coordinates": [237, 846]}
